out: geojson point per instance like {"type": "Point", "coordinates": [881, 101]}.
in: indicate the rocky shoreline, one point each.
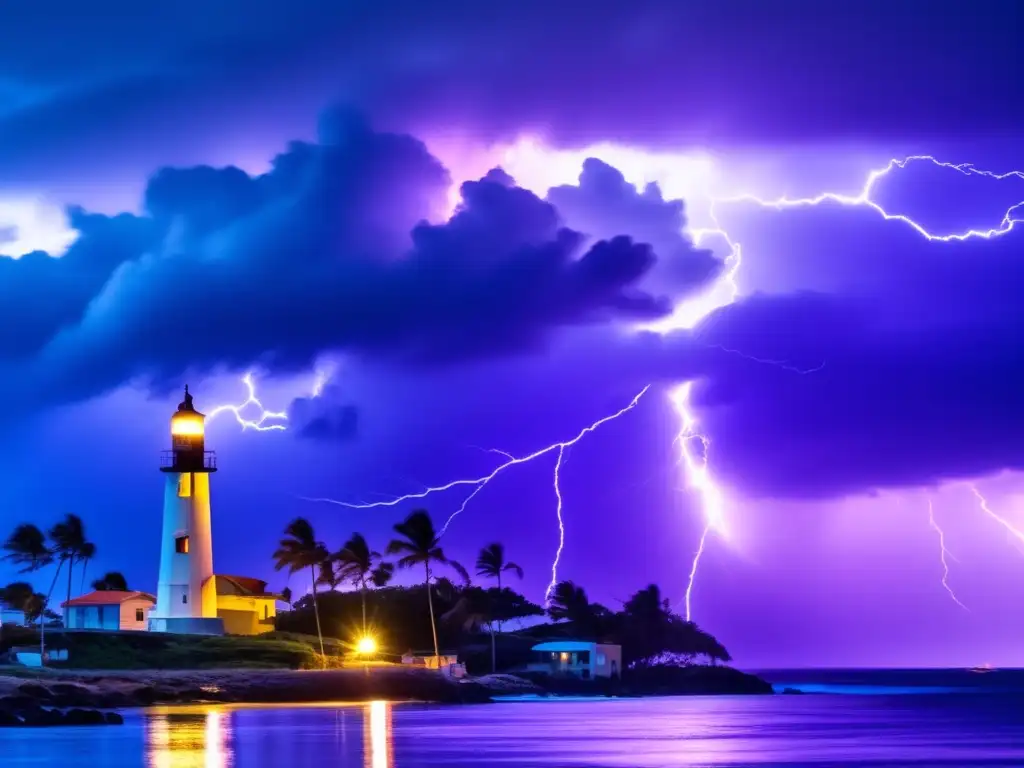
{"type": "Point", "coordinates": [54, 697]}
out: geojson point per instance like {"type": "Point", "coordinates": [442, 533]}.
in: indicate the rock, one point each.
{"type": "Point", "coordinates": [41, 717]}
{"type": "Point", "coordinates": [792, 691]}
{"type": "Point", "coordinates": [8, 718]}
{"type": "Point", "coordinates": [113, 718]}
{"type": "Point", "coordinates": [35, 691]}
{"type": "Point", "coordinates": [84, 717]}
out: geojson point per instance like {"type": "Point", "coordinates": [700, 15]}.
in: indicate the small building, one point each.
{"type": "Point", "coordinates": [577, 658]}
{"type": "Point", "coordinates": [245, 606]}
{"type": "Point", "coordinates": [109, 610]}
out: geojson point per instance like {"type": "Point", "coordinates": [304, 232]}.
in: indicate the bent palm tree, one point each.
{"type": "Point", "coordinates": [418, 545]}
{"type": "Point", "coordinates": [70, 543]}
{"type": "Point", "coordinates": [299, 549]}
{"type": "Point", "coordinates": [491, 563]}
{"type": "Point", "coordinates": [27, 548]}
{"type": "Point", "coordinates": [356, 564]}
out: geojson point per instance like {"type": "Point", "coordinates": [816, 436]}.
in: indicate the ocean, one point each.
{"type": "Point", "coordinates": [852, 719]}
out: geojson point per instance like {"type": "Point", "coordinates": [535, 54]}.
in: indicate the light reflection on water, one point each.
{"type": "Point", "coordinates": [951, 731]}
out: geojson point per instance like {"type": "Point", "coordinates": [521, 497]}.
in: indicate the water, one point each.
{"type": "Point", "coordinates": [977, 721]}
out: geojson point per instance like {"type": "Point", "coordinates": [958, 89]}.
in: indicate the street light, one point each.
{"type": "Point", "coordinates": [366, 646]}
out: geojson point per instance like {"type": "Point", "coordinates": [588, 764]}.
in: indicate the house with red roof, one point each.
{"type": "Point", "coordinates": [110, 610]}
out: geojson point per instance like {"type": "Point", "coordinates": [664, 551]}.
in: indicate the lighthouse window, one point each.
{"type": "Point", "coordinates": [185, 485]}
{"type": "Point", "coordinates": [181, 545]}
{"type": "Point", "coordinates": [184, 598]}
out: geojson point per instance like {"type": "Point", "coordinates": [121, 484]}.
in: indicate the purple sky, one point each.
{"type": "Point", "coordinates": [845, 369]}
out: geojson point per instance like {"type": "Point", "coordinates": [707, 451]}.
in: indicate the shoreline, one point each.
{"type": "Point", "coordinates": [23, 689]}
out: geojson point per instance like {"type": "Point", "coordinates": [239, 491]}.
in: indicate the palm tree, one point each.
{"type": "Point", "coordinates": [70, 543]}
{"type": "Point", "coordinates": [570, 602]}
{"type": "Point", "coordinates": [299, 549]}
{"type": "Point", "coordinates": [112, 581]}
{"type": "Point", "coordinates": [381, 575]}
{"type": "Point", "coordinates": [491, 563]}
{"type": "Point", "coordinates": [286, 595]}
{"type": "Point", "coordinates": [356, 564]}
{"type": "Point", "coordinates": [419, 545]}
{"type": "Point", "coordinates": [87, 553]}
{"type": "Point", "coordinates": [27, 547]}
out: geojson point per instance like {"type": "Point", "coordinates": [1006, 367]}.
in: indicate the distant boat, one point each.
{"type": "Point", "coordinates": [983, 668]}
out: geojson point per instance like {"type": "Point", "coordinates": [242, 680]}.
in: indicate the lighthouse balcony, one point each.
{"type": "Point", "coordinates": [182, 461]}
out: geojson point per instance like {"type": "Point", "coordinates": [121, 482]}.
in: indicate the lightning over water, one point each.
{"type": "Point", "coordinates": [943, 555]}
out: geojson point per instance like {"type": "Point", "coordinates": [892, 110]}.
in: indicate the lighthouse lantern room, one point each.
{"type": "Point", "coordinates": [186, 600]}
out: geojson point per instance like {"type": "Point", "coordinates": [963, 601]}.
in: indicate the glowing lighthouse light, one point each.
{"type": "Point", "coordinates": [186, 598]}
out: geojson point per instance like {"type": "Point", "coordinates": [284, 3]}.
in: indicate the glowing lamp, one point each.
{"type": "Point", "coordinates": [187, 425]}
{"type": "Point", "coordinates": [366, 645]}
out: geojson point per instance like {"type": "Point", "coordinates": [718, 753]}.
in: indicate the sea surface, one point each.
{"type": "Point", "coordinates": [955, 719]}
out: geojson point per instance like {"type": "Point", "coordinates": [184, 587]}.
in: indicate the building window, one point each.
{"type": "Point", "coordinates": [184, 598]}
{"type": "Point", "coordinates": [140, 615]}
{"type": "Point", "coordinates": [181, 545]}
{"type": "Point", "coordinates": [185, 485]}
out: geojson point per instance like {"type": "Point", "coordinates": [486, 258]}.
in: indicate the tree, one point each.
{"type": "Point", "coordinates": [112, 581]}
{"type": "Point", "coordinates": [569, 602]}
{"type": "Point", "coordinates": [419, 545]}
{"type": "Point", "coordinates": [381, 575]}
{"type": "Point", "coordinates": [358, 564]}
{"type": "Point", "coordinates": [20, 596]}
{"type": "Point", "coordinates": [491, 563]}
{"type": "Point", "coordinates": [286, 595]}
{"type": "Point", "coordinates": [27, 547]}
{"type": "Point", "coordinates": [70, 543]}
{"type": "Point", "coordinates": [478, 609]}
{"type": "Point", "coordinates": [299, 549]}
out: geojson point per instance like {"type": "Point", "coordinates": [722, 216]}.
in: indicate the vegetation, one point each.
{"type": "Point", "coordinates": [468, 617]}
{"type": "Point", "coordinates": [299, 549]}
{"type": "Point", "coordinates": [112, 581]}
{"type": "Point", "coordinates": [420, 544]}
{"type": "Point", "coordinates": [30, 549]}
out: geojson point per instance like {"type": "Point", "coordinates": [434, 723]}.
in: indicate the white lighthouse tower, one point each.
{"type": "Point", "coordinates": [186, 598]}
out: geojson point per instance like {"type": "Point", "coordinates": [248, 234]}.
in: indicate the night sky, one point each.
{"type": "Point", "coordinates": [431, 230]}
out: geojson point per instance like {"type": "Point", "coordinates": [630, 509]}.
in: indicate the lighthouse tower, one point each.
{"type": "Point", "coordinates": [186, 598]}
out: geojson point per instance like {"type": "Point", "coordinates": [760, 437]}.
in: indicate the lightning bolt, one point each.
{"type": "Point", "coordinates": [252, 401]}
{"type": "Point", "coordinates": [561, 524]}
{"type": "Point", "coordinates": [943, 554]}
{"type": "Point", "coordinates": [693, 455]}
{"type": "Point", "coordinates": [478, 483]}
{"type": "Point", "coordinates": [691, 313]}
{"type": "Point", "coordinates": [1010, 527]}
{"type": "Point", "coordinates": [864, 198]}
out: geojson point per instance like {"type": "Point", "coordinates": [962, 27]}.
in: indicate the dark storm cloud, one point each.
{"type": "Point", "coordinates": [325, 253]}
{"type": "Point", "coordinates": [326, 416]}
{"type": "Point", "coordinates": [900, 365]}
{"type": "Point", "coordinates": [711, 72]}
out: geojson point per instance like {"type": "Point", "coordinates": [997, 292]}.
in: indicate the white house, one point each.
{"type": "Point", "coordinates": [110, 610]}
{"type": "Point", "coordinates": [578, 658]}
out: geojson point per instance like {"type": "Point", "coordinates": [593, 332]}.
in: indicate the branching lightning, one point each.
{"type": "Point", "coordinates": [943, 554]}
{"type": "Point", "coordinates": [1010, 527]}
{"type": "Point", "coordinates": [693, 445]}
{"type": "Point", "coordinates": [252, 401]}
{"type": "Point", "coordinates": [696, 462]}
{"type": "Point", "coordinates": [478, 483]}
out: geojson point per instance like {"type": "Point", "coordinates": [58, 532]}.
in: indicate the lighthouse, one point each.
{"type": "Point", "coordinates": [186, 598]}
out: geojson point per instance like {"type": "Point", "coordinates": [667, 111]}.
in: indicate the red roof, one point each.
{"type": "Point", "coordinates": [107, 597]}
